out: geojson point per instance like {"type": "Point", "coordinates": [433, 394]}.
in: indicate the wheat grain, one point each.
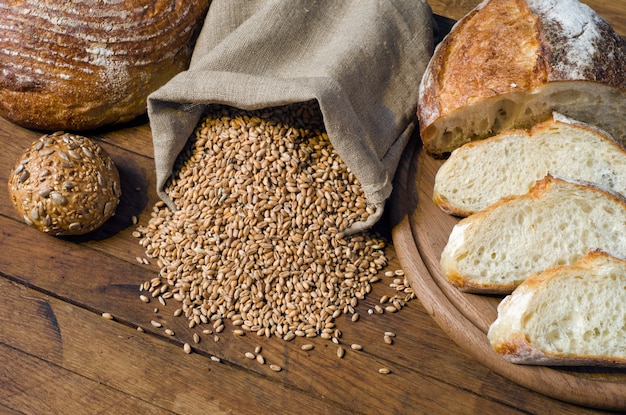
{"type": "Point", "coordinates": [263, 201]}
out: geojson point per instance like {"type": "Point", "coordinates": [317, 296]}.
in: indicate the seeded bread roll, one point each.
{"type": "Point", "coordinates": [510, 63]}
{"type": "Point", "coordinates": [482, 172]}
{"type": "Point", "coordinates": [65, 184]}
{"type": "Point", "coordinates": [555, 223]}
{"type": "Point", "coordinates": [566, 315]}
{"type": "Point", "coordinates": [84, 64]}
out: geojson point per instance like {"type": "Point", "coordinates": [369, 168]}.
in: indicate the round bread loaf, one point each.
{"type": "Point", "coordinates": [511, 63]}
{"type": "Point", "coordinates": [65, 184]}
{"type": "Point", "coordinates": [84, 64]}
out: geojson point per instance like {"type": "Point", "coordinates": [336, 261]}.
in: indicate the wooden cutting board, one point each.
{"type": "Point", "coordinates": [420, 233]}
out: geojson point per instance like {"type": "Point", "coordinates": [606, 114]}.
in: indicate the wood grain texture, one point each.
{"type": "Point", "coordinates": [421, 231]}
{"type": "Point", "coordinates": [419, 237]}
{"type": "Point", "coordinates": [58, 355]}
{"type": "Point", "coordinates": [56, 288]}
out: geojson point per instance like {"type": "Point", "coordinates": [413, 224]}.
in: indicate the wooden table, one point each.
{"type": "Point", "coordinates": [59, 355]}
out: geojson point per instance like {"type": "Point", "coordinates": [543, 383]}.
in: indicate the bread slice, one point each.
{"type": "Point", "coordinates": [510, 63]}
{"type": "Point", "coordinates": [482, 172]}
{"type": "Point", "coordinates": [567, 315]}
{"type": "Point", "coordinates": [555, 223]}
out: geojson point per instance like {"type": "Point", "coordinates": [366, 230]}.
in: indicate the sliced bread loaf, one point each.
{"type": "Point", "coordinates": [555, 223]}
{"type": "Point", "coordinates": [510, 63]}
{"type": "Point", "coordinates": [566, 315]}
{"type": "Point", "coordinates": [482, 172]}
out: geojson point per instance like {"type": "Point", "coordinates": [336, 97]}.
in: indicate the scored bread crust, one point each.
{"type": "Point", "coordinates": [510, 63]}
{"type": "Point", "coordinates": [481, 172]}
{"type": "Point", "coordinates": [496, 249]}
{"type": "Point", "coordinates": [530, 328]}
{"type": "Point", "coordinates": [81, 65]}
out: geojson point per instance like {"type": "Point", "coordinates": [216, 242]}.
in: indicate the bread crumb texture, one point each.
{"type": "Point", "coordinates": [573, 314]}
{"type": "Point", "coordinates": [510, 64]}
{"type": "Point", "coordinates": [556, 223]}
{"type": "Point", "coordinates": [480, 173]}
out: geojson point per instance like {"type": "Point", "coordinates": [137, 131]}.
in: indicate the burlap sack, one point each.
{"type": "Point", "coordinates": [361, 60]}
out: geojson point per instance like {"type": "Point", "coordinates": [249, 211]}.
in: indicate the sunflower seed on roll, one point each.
{"type": "Point", "coordinates": [65, 184]}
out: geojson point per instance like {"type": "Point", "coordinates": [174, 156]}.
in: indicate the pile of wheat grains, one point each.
{"type": "Point", "coordinates": [258, 235]}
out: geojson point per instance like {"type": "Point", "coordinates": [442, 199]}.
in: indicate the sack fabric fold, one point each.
{"type": "Point", "coordinates": [362, 61]}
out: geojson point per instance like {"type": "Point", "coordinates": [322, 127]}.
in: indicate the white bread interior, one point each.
{"type": "Point", "coordinates": [511, 63]}
{"type": "Point", "coordinates": [482, 172]}
{"type": "Point", "coordinates": [555, 223]}
{"type": "Point", "coordinates": [591, 103]}
{"type": "Point", "coordinates": [567, 315]}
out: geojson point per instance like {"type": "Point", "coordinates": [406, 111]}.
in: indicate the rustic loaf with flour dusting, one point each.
{"type": "Point", "coordinates": [84, 64]}
{"type": "Point", "coordinates": [482, 172]}
{"type": "Point", "coordinates": [566, 315]}
{"type": "Point", "coordinates": [510, 63]}
{"type": "Point", "coordinates": [555, 223]}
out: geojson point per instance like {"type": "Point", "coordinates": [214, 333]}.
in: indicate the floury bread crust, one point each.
{"type": "Point", "coordinates": [566, 315]}
{"type": "Point", "coordinates": [482, 172]}
{"type": "Point", "coordinates": [556, 223]}
{"type": "Point", "coordinates": [511, 63]}
{"type": "Point", "coordinates": [82, 64]}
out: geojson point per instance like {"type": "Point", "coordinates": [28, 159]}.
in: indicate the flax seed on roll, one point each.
{"type": "Point", "coordinates": [85, 64]}
{"type": "Point", "coordinates": [65, 184]}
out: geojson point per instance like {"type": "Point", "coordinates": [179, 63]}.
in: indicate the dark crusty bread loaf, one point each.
{"type": "Point", "coordinates": [84, 64]}
{"type": "Point", "coordinates": [555, 223]}
{"type": "Point", "coordinates": [510, 63]}
{"type": "Point", "coordinates": [567, 315]}
{"type": "Point", "coordinates": [482, 172]}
